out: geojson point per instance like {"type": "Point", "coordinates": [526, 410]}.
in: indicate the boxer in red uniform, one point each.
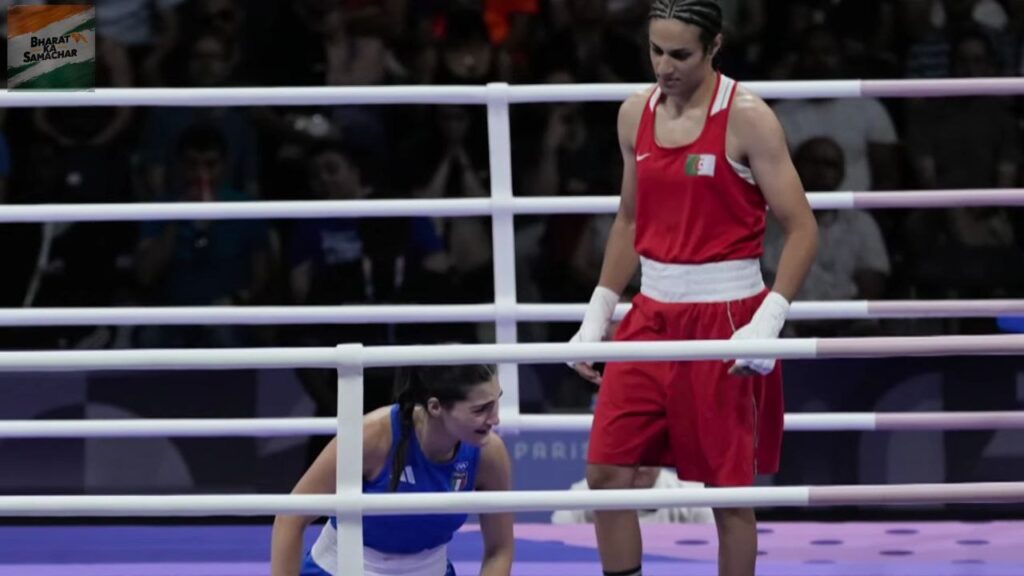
{"type": "Point", "coordinates": [704, 159]}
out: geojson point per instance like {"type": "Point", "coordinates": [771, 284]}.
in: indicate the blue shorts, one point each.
{"type": "Point", "coordinates": [310, 568]}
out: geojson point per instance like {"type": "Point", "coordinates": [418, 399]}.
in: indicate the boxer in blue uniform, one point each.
{"type": "Point", "coordinates": [437, 437]}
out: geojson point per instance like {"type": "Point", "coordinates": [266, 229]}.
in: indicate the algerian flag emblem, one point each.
{"type": "Point", "coordinates": [700, 165]}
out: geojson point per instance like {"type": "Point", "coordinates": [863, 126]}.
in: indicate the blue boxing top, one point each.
{"type": "Point", "coordinates": [416, 533]}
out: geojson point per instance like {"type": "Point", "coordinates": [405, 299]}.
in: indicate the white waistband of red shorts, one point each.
{"type": "Point", "coordinates": [712, 282]}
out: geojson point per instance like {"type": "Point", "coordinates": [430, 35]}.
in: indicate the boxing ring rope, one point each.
{"type": "Point", "coordinates": [456, 313]}
{"type": "Point", "coordinates": [458, 207]}
{"type": "Point", "coordinates": [381, 356]}
{"type": "Point", "coordinates": [518, 94]}
{"type": "Point", "coordinates": [350, 360]}
{"type": "Point", "coordinates": [548, 353]}
{"type": "Point", "coordinates": [507, 501]}
{"type": "Point", "coordinates": [308, 426]}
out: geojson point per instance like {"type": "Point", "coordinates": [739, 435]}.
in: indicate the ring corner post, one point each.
{"type": "Point", "coordinates": [499, 136]}
{"type": "Point", "coordinates": [349, 468]}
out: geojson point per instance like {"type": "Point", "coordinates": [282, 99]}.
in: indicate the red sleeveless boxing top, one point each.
{"type": "Point", "coordinates": [692, 205]}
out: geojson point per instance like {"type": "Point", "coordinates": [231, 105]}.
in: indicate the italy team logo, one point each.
{"type": "Point", "coordinates": [459, 476]}
{"type": "Point", "coordinates": [51, 47]}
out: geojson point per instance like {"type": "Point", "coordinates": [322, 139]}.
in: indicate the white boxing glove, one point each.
{"type": "Point", "coordinates": [597, 318]}
{"type": "Point", "coordinates": [766, 324]}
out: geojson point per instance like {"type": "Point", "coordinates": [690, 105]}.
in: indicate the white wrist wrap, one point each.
{"type": "Point", "coordinates": [597, 317]}
{"type": "Point", "coordinates": [767, 323]}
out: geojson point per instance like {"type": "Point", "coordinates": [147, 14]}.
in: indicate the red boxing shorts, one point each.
{"type": "Point", "coordinates": [711, 427]}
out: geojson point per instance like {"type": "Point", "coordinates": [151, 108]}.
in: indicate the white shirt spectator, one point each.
{"type": "Point", "coordinates": [854, 123]}
{"type": "Point", "coordinates": [849, 241]}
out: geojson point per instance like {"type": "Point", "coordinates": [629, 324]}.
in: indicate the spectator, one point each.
{"type": "Point", "coordinates": [861, 126]}
{"type": "Point", "coordinates": [452, 162]}
{"type": "Point", "coordinates": [968, 142]}
{"type": "Point", "coordinates": [209, 64]}
{"type": "Point", "coordinates": [852, 261]}
{"type": "Point", "coordinates": [147, 30]}
{"type": "Point", "coordinates": [224, 262]}
{"type": "Point", "coordinates": [344, 261]}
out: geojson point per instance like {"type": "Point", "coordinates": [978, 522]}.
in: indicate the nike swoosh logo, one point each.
{"type": "Point", "coordinates": [640, 157]}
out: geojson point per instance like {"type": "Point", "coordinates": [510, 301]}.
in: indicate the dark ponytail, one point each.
{"type": "Point", "coordinates": [418, 384]}
{"type": "Point", "coordinates": [406, 399]}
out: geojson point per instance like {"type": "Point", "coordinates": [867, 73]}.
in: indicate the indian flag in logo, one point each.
{"type": "Point", "coordinates": [700, 165]}
{"type": "Point", "coordinates": [51, 47]}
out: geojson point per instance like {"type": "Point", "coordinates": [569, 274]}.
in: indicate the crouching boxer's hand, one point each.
{"type": "Point", "coordinates": [766, 324]}
{"type": "Point", "coordinates": [594, 328]}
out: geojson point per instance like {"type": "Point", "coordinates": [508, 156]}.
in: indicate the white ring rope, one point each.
{"type": "Point", "coordinates": [506, 501]}
{"type": "Point", "coordinates": [814, 422]}
{"type": "Point", "coordinates": [517, 94]}
{"type": "Point", "coordinates": [458, 313]}
{"type": "Point", "coordinates": [292, 426]}
{"type": "Point", "coordinates": [455, 207]}
{"type": "Point", "coordinates": [392, 356]}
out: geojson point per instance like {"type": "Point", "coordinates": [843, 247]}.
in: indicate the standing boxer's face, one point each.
{"type": "Point", "coordinates": [678, 57]}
